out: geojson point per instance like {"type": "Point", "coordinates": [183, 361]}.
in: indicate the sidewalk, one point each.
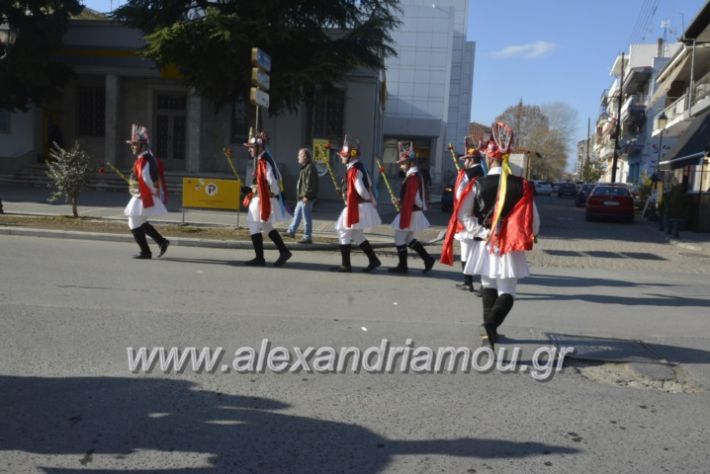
{"type": "Point", "coordinates": [110, 204]}
{"type": "Point", "coordinates": [695, 241]}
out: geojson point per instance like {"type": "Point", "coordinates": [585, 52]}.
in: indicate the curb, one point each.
{"type": "Point", "coordinates": [181, 241]}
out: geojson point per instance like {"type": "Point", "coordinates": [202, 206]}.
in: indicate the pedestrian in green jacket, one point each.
{"type": "Point", "coordinates": [307, 193]}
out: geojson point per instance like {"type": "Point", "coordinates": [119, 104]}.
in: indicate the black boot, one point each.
{"type": "Point", "coordinates": [501, 308]}
{"type": "Point", "coordinates": [257, 241]}
{"type": "Point", "coordinates": [374, 262]}
{"type": "Point", "coordinates": [402, 266]}
{"type": "Point", "coordinates": [428, 259]}
{"type": "Point", "coordinates": [488, 328]}
{"type": "Point", "coordinates": [345, 266]}
{"type": "Point", "coordinates": [139, 235]}
{"type": "Point", "coordinates": [159, 239]}
{"type": "Point", "coordinates": [284, 253]}
{"type": "Point", "coordinates": [467, 284]}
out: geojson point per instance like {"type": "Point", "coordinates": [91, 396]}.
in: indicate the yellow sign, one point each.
{"type": "Point", "coordinates": [211, 193]}
{"type": "Point", "coordinates": [321, 153]}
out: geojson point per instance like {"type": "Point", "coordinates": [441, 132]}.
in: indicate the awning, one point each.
{"type": "Point", "coordinates": [691, 146]}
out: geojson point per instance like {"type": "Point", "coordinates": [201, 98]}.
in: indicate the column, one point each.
{"type": "Point", "coordinates": [112, 132]}
{"type": "Point", "coordinates": [194, 131]}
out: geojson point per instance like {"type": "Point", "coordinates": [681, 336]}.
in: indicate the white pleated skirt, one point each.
{"type": "Point", "coordinates": [278, 213]}
{"type": "Point", "coordinates": [135, 208]}
{"type": "Point", "coordinates": [482, 262]}
{"type": "Point", "coordinates": [368, 217]}
{"type": "Point", "coordinates": [418, 222]}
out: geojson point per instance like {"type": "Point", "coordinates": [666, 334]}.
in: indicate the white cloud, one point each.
{"type": "Point", "coordinates": [527, 51]}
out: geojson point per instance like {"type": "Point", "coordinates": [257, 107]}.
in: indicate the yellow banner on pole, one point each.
{"type": "Point", "coordinates": [211, 193]}
{"type": "Point", "coordinates": [321, 153]}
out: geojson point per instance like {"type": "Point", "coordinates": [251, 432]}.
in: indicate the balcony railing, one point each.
{"type": "Point", "coordinates": [674, 111]}
{"type": "Point", "coordinates": [701, 94]}
{"type": "Point", "coordinates": [635, 103]}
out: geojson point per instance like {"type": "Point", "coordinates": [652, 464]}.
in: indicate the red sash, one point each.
{"type": "Point", "coordinates": [146, 194]}
{"type": "Point", "coordinates": [447, 247]}
{"type": "Point", "coordinates": [411, 188]}
{"type": "Point", "coordinates": [517, 232]}
{"type": "Point", "coordinates": [353, 201]}
{"type": "Point", "coordinates": [264, 191]}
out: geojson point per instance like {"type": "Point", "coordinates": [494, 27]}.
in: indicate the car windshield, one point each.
{"type": "Point", "coordinates": [609, 191]}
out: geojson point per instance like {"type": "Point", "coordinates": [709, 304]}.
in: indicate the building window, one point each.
{"type": "Point", "coordinates": [326, 116]}
{"type": "Point", "coordinates": [91, 111]}
{"type": "Point", "coordinates": [170, 124]}
{"type": "Point", "coordinates": [4, 121]}
{"type": "Point", "coordinates": [240, 122]}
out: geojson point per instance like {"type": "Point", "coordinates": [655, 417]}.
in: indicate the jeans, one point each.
{"type": "Point", "coordinates": [303, 210]}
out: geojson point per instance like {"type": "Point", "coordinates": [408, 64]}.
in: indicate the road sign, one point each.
{"type": "Point", "coordinates": [259, 97]}
{"type": "Point", "coordinates": [260, 59]}
{"type": "Point", "coordinates": [260, 79]}
{"type": "Point", "coordinates": [208, 193]}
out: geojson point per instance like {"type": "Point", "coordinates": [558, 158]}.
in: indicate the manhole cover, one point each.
{"type": "Point", "coordinates": [605, 349]}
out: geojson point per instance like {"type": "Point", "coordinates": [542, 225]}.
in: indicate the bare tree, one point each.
{"type": "Point", "coordinates": [547, 130]}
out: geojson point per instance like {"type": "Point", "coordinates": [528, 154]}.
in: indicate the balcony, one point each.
{"type": "Point", "coordinates": [701, 95]}
{"type": "Point", "coordinates": [637, 78]}
{"type": "Point", "coordinates": [677, 115]}
{"type": "Point", "coordinates": [634, 105]}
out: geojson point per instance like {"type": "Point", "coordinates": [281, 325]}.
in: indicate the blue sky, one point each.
{"type": "Point", "coordinates": [544, 51]}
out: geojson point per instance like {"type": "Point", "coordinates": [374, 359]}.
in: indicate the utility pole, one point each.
{"type": "Point", "coordinates": [618, 123]}
{"type": "Point", "coordinates": [585, 167]}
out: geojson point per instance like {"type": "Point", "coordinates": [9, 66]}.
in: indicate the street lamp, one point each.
{"type": "Point", "coordinates": [7, 39]}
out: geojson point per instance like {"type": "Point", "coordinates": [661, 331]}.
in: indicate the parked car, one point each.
{"type": "Point", "coordinates": [555, 186]}
{"type": "Point", "coordinates": [581, 199]}
{"type": "Point", "coordinates": [612, 201]}
{"type": "Point", "coordinates": [542, 187]}
{"type": "Point", "coordinates": [566, 189]}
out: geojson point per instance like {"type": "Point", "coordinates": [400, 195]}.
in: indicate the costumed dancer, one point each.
{"type": "Point", "coordinates": [265, 207]}
{"type": "Point", "coordinates": [411, 217]}
{"type": "Point", "coordinates": [147, 188]}
{"type": "Point", "coordinates": [505, 221]}
{"type": "Point", "coordinates": [470, 171]}
{"type": "Point", "coordinates": [359, 213]}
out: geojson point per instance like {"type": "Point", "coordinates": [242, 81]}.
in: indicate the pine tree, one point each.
{"type": "Point", "coordinates": [312, 43]}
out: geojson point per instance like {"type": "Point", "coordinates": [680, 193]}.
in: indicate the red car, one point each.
{"type": "Point", "coordinates": [611, 201]}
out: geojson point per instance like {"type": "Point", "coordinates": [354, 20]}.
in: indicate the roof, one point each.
{"type": "Point", "coordinates": [691, 146]}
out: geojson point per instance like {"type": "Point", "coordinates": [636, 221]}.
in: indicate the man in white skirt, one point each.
{"type": "Point", "coordinates": [411, 215]}
{"type": "Point", "coordinates": [360, 213]}
{"type": "Point", "coordinates": [498, 254]}
{"type": "Point", "coordinates": [471, 170]}
{"type": "Point", "coordinates": [146, 194]}
{"type": "Point", "coordinates": [266, 206]}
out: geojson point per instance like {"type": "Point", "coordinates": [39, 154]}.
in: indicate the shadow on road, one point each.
{"type": "Point", "coordinates": [116, 417]}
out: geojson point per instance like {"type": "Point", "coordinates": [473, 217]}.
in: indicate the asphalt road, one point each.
{"type": "Point", "coordinates": [69, 310]}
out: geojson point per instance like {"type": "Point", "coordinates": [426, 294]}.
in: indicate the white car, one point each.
{"type": "Point", "coordinates": [543, 187]}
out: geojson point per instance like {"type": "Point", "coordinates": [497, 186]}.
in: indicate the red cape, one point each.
{"type": "Point", "coordinates": [447, 247]}
{"type": "Point", "coordinates": [517, 232]}
{"type": "Point", "coordinates": [411, 188]}
{"type": "Point", "coordinates": [146, 194]}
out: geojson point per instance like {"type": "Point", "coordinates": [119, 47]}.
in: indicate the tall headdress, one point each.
{"type": "Point", "coordinates": [258, 140]}
{"type": "Point", "coordinates": [139, 134]}
{"type": "Point", "coordinates": [351, 147]}
{"type": "Point", "coordinates": [407, 154]}
{"type": "Point", "coordinates": [502, 136]}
